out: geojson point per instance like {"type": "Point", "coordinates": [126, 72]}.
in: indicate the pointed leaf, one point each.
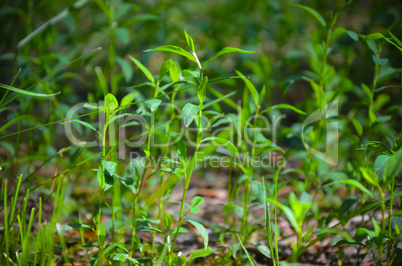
{"type": "Point", "coordinates": [250, 87]}
{"type": "Point", "coordinates": [110, 167]}
{"type": "Point", "coordinates": [314, 13]}
{"type": "Point", "coordinates": [143, 69]}
{"type": "Point", "coordinates": [380, 164]}
{"type": "Point", "coordinates": [380, 61]}
{"type": "Point", "coordinates": [288, 212]}
{"type": "Point", "coordinates": [164, 69]}
{"type": "Point", "coordinates": [394, 166]}
{"type": "Point", "coordinates": [111, 103]}
{"type": "Point", "coordinates": [189, 112]}
{"type": "Point", "coordinates": [25, 92]}
{"type": "Point", "coordinates": [190, 41]}
{"type": "Point", "coordinates": [226, 50]}
{"type": "Point", "coordinates": [153, 104]}
{"type": "Point", "coordinates": [246, 251]}
{"type": "Point", "coordinates": [85, 124]}
{"type": "Point", "coordinates": [102, 80]}
{"type": "Point", "coordinates": [202, 89]}
{"type": "Point", "coordinates": [167, 220]}
{"type": "Point", "coordinates": [228, 145]}
{"type": "Point", "coordinates": [354, 183]}
{"type": "Point", "coordinates": [202, 230]}
{"type": "Point", "coordinates": [128, 99]}
{"type": "Point", "coordinates": [370, 176]}
{"type": "Point", "coordinates": [174, 49]}
{"type": "Point", "coordinates": [283, 106]}
{"type": "Point", "coordinates": [199, 253]}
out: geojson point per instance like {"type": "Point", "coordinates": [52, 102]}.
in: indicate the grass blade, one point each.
{"type": "Point", "coordinates": [248, 254]}
{"type": "Point", "coordinates": [25, 92]}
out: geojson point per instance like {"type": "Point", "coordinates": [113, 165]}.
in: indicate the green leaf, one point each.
{"type": "Point", "coordinates": [354, 183]}
{"type": "Point", "coordinates": [250, 87]}
{"type": "Point", "coordinates": [189, 112]}
{"type": "Point", "coordinates": [202, 230]}
{"type": "Point", "coordinates": [283, 106]}
{"type": "Point", "coordinates": [164, 69]}
{"type": "Point", "coordinates": [379, 165]}
{"type": "Point", "coordinates": [73, 226]}
{"type": "Point", "coordinates": [288, 212]}
{"type": "Point", "coordinates": [226, 50]}
{"type": "Point", "coordinates": [374, 36]}
{"type": "Point", "coordinates": [299, 208]}
{"type": "Point", "coordinates": [110, 167]}
{"type": "Point", "coordinates": [258, 191]}
{"type": "Point", "coordinates": [341, 31]}
{"type": "Point", "coordinates": [337, 33]}
{"type": "Point", "coordinates": [110, 103]}
{"type": "Point", "coordinates": [174, 49]}
{"type": "Point", "coordinates": [353, 35]}
{"type": "Point", "coordinates": [129, 183]}
{"type": "Point", "coordinates": [376, 146]}
{"type": "Point", "coordinates": [314, 13]}
{"type": "Point", "coordinates": [190, 41]}
{"type": "Point", "coordinates": [347, 207]}
{"type": "Point", "coordinates": [102, 80]}
{"type": "Point", "coordinates": [394, 166]}
{"type": "Point", "coordinates": [369, 176]}
{"type": "Point", "coordinates": [144, 70]}
{"type": "Point", "coordinates": [85, 124]}
{"type": "Point", "coordinates": [264, 250]}
{"type": "Point", "coordinates": [29, 93]}
{"type": "Point", "coordinates": [168, 220]}
{"type": "Point", "coordinates": [153, 104]}
{"type": "Point", "coordinates": [380, 61]}
{"type": "Point", "coordinates": [91, 106]}
{"type": "Point", "coordinates": [367, 91]}
{"type": "Point", "coordinates": [126, 68]}
{"type": "Point", "coordinates": [246, 251]}
{"type": "Point", "coordinates": [128, 99]}
{"type": "Point", "coordinates": [164, 87]}
{"type": "Point", "coordinates": [199, 253]}
{"type": "Point", "coordinates": [386, 87]}
{"type": "Point", "coordinates": [362, 233]}
{"type": "Point", "coordinates": [101, 178]}
{"type": "Point", "coordinates": [202, 89]}
{"type": "Point", "coordinates": [195, 203]}
{"type": "Point", "coordinates": [357, 125]}
{"type": "Point", "coordinates": [228, 145]}
{"type": "Point", "coordinates": [347, 242]}
{"type": "Point", "coordinates": [182, 149]}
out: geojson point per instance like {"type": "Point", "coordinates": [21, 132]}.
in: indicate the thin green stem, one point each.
{"type": "Point", "coordinates": [391, 203]}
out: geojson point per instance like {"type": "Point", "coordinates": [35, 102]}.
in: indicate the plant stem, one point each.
{"type": "Point", "coordinates": [389, 221]}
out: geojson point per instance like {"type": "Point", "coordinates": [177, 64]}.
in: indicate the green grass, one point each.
{"type": "Point", "coordinates": [102, 148]}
